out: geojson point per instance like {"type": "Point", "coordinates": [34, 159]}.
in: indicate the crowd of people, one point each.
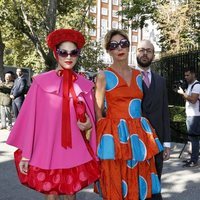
{"type": "Point", "coordinates": [71, 132]}
{"type": "Point", "coordinates": [12, 94]}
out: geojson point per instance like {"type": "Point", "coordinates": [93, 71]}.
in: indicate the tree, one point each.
{"type": "Point", "coordinates": [178, 21]}
{"type": "Point", "coordinates": [30, 21]}
{"type": "Point", "coordinates": [92, 49]}
{"type": "Point", "coordinates": [2, 47]}
{"type": "Point", "coordinates": [194, 20]}
{"type": "Point", "coordinates": [176, 26]}
{"type": "Point", "coordinates": [27, 23]}
{"type": "Point", "coordinates": [135, 13]}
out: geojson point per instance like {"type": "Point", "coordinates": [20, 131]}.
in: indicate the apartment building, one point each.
{"type": "Point", "coordinates": [105, 18]}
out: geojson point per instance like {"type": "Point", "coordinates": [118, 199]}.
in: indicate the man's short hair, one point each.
{"type": "Point", "coordinates": [190, 69]}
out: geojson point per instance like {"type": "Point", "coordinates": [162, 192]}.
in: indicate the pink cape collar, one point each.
{"type": "Point", "coordinates": [53, 83]}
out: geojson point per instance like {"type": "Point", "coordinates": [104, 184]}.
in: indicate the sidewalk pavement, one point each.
{"type": "Point", "coordinates": [178, 183]}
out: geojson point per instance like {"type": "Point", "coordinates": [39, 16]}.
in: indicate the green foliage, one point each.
{"type": "Point", "coordinates": [25, 25]}
{"type": "Point", "coordinates": [177, 113]}
{"type": "Point", "coordinates": [178, 123]}
{"type": "Point", "coordinates": [178, 21]}
{"type": "Point", "coordinates": [136, 11]}
{"type": "Point", "coordinates": [90, 57]}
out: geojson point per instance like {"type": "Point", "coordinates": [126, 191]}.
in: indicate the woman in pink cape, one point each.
{"type": "Point", "coordinates": [54, 157]}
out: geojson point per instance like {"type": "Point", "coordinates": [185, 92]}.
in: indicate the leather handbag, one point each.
{"type": "Point", "coordinates": [80, 110]}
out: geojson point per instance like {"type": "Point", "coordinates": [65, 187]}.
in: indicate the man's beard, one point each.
{"type": "Point", "coordinates": [143, 65]}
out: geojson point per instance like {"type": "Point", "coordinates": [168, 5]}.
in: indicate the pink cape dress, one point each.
{"type": "Point", "coordinates": [37, 134]}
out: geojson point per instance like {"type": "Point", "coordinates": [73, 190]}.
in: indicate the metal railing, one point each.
{"type": "Point", "coordinates": [172, 68]}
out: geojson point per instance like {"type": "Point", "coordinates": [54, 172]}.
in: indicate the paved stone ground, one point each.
{"type": "Point", "coordinates": [178, 183]}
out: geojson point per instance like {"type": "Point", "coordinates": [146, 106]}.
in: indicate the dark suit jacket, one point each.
{"type": "Point", "coordinates": [19, 89]}
{"type": "Point", "coordinates": [155, 107]}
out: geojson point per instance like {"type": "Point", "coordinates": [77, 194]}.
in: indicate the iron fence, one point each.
{"type": "Point", "coordinates": [172, 68]}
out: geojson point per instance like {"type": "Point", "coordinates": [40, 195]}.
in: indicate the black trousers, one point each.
{"type": "Point", "coordinates": [193, 128]}
{"type": "Point", "coordinates": [16, 106]}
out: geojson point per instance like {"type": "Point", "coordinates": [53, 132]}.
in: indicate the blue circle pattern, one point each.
{"type": "Point", "coordinates": [145, 125]}
{"type": "Point", "coordinates": [131, 163]}
{"type": "Point", "coordinates": [143, 188]}
{"type": "Point", "coordinates": [106, 147]}
{"type": "Point", "coordinates": [123, 131]}
{"type": "Point", "coordinates": [139, 151]}
{"type": "Point", "coordinates": [111, 80]}
{"type": "Point", "coordinates": [124, 189]}
{"type": "Point", "coordinates": [135, 108]}
{"type": "Point", "coordinates": [160, 146]}
{"type": "Point", "coordinates": [139, 81]}
{"type": "Point", "coordinates": [156, 188]}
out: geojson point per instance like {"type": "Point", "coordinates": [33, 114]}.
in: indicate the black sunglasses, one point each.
{"type": "Point", "coordinates": [124, 43]}
{"type": "Point", "coordinates": [64, 53]}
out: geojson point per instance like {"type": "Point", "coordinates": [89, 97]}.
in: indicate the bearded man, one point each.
{"type": "Point", "coordinates": [155, 102]}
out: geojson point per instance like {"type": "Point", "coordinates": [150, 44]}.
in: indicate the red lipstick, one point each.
{"type": "Point", "coordinates": [120, 54]}
{"type": "Point", "coordinates": [68, 62]}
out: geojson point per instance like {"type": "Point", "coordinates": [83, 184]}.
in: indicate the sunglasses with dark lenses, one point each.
{"type": "Point", "coordinates": [124, 43]}
{"type": "Point", "coordinates": [64, 53]}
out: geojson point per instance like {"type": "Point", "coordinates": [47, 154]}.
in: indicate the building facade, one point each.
{"type": "Point", "coordinates": [105, 14]}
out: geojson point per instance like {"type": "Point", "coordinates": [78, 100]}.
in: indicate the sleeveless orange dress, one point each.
{"type": "Point", "coordinates": [126, 142]}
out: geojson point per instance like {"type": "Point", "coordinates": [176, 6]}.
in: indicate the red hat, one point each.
{"type": "Point", "coordinates": [62, 35]}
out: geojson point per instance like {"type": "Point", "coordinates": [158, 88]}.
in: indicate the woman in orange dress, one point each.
{"type": "Point", "coordinates": [126, 141]}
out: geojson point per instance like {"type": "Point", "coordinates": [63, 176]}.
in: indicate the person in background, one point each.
{"type": "Point", "coordinates": [192, 109]}
{"type": "Point", "coordinates": [155, 102]}
{"type": "Point", "coordinates": [54, 156]}
{"type": "Point", "coordinates": [126, 141]}
{"type": "Point", "coordinates": [18, 91]}
{"type": "Point", "coordinates": [5, 101]}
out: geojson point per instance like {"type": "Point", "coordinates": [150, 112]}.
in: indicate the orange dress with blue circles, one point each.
{"type": "Point", "coordinates": [127, 143]}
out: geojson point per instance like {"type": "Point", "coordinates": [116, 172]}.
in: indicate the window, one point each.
{"type": "Point", "coordinates": [134, 49]}
{"type": "Point", "coordinates": [104, 11]}
{"type": "Point", "coordinates": [114, 13]}
{"type": "Point", "coordinates": [93, 9]}
{"type": "Point", "coordinates": [104, 23]}
{"type": "Point", "coordinates": [105, 1]}
{"type": "Point", "coordinates": [134, 38]}
{"type": "Point", "coordinates": [115, 24]}
{"type": "Point", "coordinates": [115, 2]}
{"type": "Point", "coordinates": [92, 32]}
{"type": "Point", "coordinates": [104, 27]}
{"type": "Point", "coordinates": [94, 21]}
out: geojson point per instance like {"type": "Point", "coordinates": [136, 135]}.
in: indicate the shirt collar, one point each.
{"type": "Point", "coordinates": [140, 69]}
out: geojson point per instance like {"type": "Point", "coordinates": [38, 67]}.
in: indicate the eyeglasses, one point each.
{"type": "Point", "coordinates": [124, 43]}
{"type": "Point", "coordinates": [64, 53]}
{"type": "Point", "coordinates": [142, 50]}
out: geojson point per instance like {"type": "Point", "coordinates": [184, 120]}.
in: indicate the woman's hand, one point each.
{"type": "Point", "coordinates": [23, 166]}
{"type": "Point", "coordinates": [86, 125]}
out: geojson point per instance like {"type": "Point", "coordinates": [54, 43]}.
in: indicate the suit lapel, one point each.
{"type": "Point", "coordinates": [153, 90]}
{"type": "Point", "coordinates": [150, 94]}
